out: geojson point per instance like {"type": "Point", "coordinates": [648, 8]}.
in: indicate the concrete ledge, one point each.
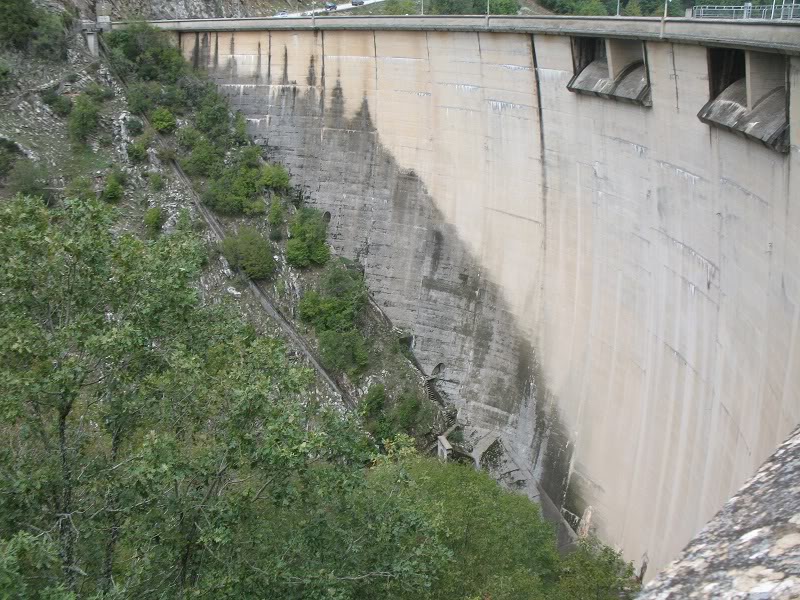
{"type": "Point", "coordinates": [766, 123]}
{"type": "Point", "coordinates": [630, 85]}
{"type": "Point", "coordinates": [781, 37]}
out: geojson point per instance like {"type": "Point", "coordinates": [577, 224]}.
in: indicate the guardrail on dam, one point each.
{"type": "Point", "coordinates": [591, 225]}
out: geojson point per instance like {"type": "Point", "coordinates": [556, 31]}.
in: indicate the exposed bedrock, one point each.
{"type": "Point", "coordinates": [611, 289]}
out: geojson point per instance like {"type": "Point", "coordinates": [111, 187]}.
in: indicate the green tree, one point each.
{"type": "Point", "coordinates": [275, 218]}
{"type": "Point", "coordinates": [591, 8]}
{"type": "Point", "coordinates": [49, 40]}
{"type": "Point", "coordinates": [633, 9]}
{"type": "Point", "coordinates": [114, 188]}
{"type": "Point", "coordinates": [343, 351]}
{"type": "Point", "coordinates": [275, 177]}
{"type": "Point", "coordinates": [249, 251]}
{"type": "Point", "coordinates": [83, 119]}
{"type": "Point", "coordinates": [163, 120]}
{"type": "Point", "coordinates": [501, 548]}
{"type": "Point", "coordinates": [141, 424]}
{"type": "Point", "coordinates": [154, 219]}
{"type": "Point", "coordinates": [595, 571]}
{"type": "Point", "coordinates": [18, 22]}
{"type": "Point", "coordinates": [307, 244]}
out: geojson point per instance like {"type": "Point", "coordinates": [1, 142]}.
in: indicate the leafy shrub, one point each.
{"type": "Point", "coordinates": [156, 181]}
{"type": "Point", "coordinates": [188, 137]}
{"type": "Point", "coordinates": [137, 152]}
{"type": "Point", "coordinates": [240, 130]}
{"type": "Point", "coordinates": [343, 296]}
{"type": "Point", "coordinates": [143, 51]}
{"type": "Point", "coordinates": [239, 188]}
{"type": "Point", "coordinates": [372, 403]}
{"type": "Point", "coordinates": [154, 219]}
{"type": "Point", "coordinates": [61, 105]}
{"type": "Point", "coordinates": [99, 93]}
{"type": "Point", "coordinates": [114, 188]}
{"type": "Point", "coordinates": [214, 118]}
{"type": "Point", "coordinates": [275, 177]}
{"type": "Point", "coordinates": [83, 119]}
{"type": "Point", "coordinates": [406, 410]}
{"type": "Point", "coordinates": [307, 245]}
{"type": "Point", "coordinates": [28, 178]}
{"type": "Point", "coordinates": [204, 160]}
{"type": "Point", "coordinates": [163, 120]}
{"type": "Point", "coordinates": [249, 251]}
{"type": "Point", "coordinates": [343, 351]}
{"type": "Point", "coordinates": [9, 153]}
{"type": "Point", "coordinates": [275, 219]}
{"type": "Point", "coordinates": [49, 40]}
{"type": "Point", "coordinates": [135, 126]}
{"type": "Point", "coordinates": [17, 24]}
{"type": "Point", "coordinates": [142, 96]}
{"type": "Point", "coordinates": [633, 9]}
{"type": "Point", "coordinates": [594, 570]}
{"type": "Point", "coordinates": [166, 154]}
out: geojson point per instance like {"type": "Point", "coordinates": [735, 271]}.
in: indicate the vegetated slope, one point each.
{"type": "Point", "coordinates": [162, 442]}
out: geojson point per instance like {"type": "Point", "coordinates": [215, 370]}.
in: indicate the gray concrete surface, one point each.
{"type": "Point", "coordinates": [613, 289]}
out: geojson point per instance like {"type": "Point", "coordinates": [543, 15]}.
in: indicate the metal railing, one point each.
{"type": "Point", "coordinates": [775, 11]}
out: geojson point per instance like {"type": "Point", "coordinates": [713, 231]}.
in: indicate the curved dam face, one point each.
{"type": "Point", "coordinates": [610, 288]}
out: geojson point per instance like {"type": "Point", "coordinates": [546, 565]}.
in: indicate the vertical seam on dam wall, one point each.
{"type": "Point", "coordinates": [322, 53]}
{"type": "Point", "coordinates": [375, 51]}
{"type": "Point", "coordinates": [269, 58]}
{"type": "Point", "coordinates": [542, 157]}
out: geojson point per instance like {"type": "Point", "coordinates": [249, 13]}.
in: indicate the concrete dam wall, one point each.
{"type": "Point", "coordinates": [609, 285]}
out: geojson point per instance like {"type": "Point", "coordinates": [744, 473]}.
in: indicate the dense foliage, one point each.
{"type": "Point", "coordinates": [154, 219]}
{"type": "Point", "coordinates": [240, 187]}
{"type": "Point", "coordinates": [306, 245]}
{"type": "Point", "coordinates": [333, 312]}
{"type": "Point", "coordinates": [471, 7]}
{"type": "Point", "coordinates": [84, 118]}
{"type": "Point", "coordinates": [23, 26]}
{"type": "Point", "coordinates": [249, 251]}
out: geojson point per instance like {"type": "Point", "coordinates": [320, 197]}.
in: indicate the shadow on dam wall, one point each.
{"type": "Point", "coordinates": [417, 268]}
